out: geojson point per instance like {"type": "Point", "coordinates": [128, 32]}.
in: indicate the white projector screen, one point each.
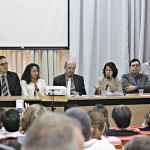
{"type": "Point", "coordinates": [34, 24]}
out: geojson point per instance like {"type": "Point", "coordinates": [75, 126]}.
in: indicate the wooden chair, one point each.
{"type": "Point", "coordinates": [125, 140]}
{"type": "Point", "coordinates": [118, 146]}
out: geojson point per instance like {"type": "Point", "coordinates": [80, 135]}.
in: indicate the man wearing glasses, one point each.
{"type": "Point", "coordinates": [133, 81]}
{"type": "Point", "coordinates": [9, 81]}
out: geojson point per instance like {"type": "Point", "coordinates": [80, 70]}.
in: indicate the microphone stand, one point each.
{"type": "Point", "coordinates": [52, 100]}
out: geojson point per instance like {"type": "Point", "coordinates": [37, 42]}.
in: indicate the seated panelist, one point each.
{"type": "Point", "coordinates": [31, 83]}
{"type": "Point", "coordinates": [109, 82]}
{"type": "Point", "coordinates": [77, 81]}
{"type": "Point", "coordinates": [9, 81]}
{"type": "Point", "coordinates": [133, 81]}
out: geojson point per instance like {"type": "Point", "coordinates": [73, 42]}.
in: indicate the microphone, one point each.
{"type": "Point", "coordinates": [108, 79]}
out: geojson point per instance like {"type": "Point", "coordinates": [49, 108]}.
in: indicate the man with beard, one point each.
{"type": "Point", "coordinates": [77, 81]}
{"type": "Point", "coordinates": [133, 81]}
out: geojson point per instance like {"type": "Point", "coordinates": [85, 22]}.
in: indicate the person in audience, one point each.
{"type": "Point", "coordinates": [121, 115]}
{"type": "Point", "coordinates": [54, 132]}
{"type": "Point", "coordinates": [146, 123]}
{"type": "Point", "coordinates": [87, 130]}
{"type": "Point", "coordinates": [145, 68]}
{"type": "Point", "coordinates": [30, 114]}
{"type": "Point", "coordinates": [103, 109]}
{"type": "Point", "coordinates": [2, 113]}
{"type": "Point", "coordinates": [77, 81]}
{"type": "Point", "coordinates": [133, 81]}
{"type": "Point", "coordinates": [11, 124]}
{"type": "Point", "coordinates": [98, 124]}
{"type": "Point", "coordinates": [138, 143]}
{"type": "Point", "coordinates": [31, 83]}
{"type": "Point", "coordinates": [109, 82]}
{"type": "Point", "coordinates": [10, 83]}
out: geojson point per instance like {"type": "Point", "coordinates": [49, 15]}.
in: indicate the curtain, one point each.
{"type": "Point", "coordinates": [51, 62]}
{"type": "Point", "coordinates": [108, 30]}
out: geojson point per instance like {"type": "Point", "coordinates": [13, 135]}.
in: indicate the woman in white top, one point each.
{"type": "Point", "coordinates": [31, 83]}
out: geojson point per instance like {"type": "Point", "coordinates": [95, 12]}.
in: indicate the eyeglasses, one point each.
{"type": "Point", "coordinates": [3, 64]}
{"type": "Point", "coordinates": [136, 65]}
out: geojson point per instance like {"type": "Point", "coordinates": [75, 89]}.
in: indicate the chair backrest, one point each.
{"type": "Point", "coordinates": [118, 146]}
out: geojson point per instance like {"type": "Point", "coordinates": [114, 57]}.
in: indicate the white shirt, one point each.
{"type": "Point", "coordinates": [9, 94]}
{"type": "Point", "coordinates": [95, 144]}
{"type": "Point", "coordinates": [28, 89]}
{"type": "Point", "coordinates": [145, 68]}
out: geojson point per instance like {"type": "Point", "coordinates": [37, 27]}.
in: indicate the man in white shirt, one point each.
{"type": "Point", "coordinates": [145, 68]}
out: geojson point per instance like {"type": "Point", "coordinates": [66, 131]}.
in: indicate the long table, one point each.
{"type": "Point", "coordinates": [63, 101]}
{"type": "Point", "coordinates": [129, 99]}
{"type": "Point", "coordinates": [48, 101]}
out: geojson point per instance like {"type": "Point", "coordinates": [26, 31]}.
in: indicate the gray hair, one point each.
{"type": "Point", "coordinates": [83, 118]}
{"type": "Point", "coordinates": [139, 143]}
{"type": "Point", "coordinates": [52, 132]}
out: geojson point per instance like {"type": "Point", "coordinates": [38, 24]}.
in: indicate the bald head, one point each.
{"type": "Point", "coordinates": [70, 66]}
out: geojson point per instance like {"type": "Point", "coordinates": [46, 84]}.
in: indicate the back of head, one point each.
{"type": "Point", "coordinates": [30, 114]}
{"type": "Point", "coordinates": [98, 123]}
{"type": "Point", "coordinates": [83, 117]}
{"type": "Point", "coordinates": [2, 113]}
{"type": "Point", "coordinates": [147, 118]}
{"type": "Point", "coordinates": [53, 132]}
{"type": "Point", "coordinates": [139, 143]}
{"type": "Point", "coordinates": [103, 109]}
{"type": "Point", "coordinates": [11, 120]}
{"type": "Point", "coordinates": [122, 116]}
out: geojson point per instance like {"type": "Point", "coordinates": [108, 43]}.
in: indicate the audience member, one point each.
{"type": "Point", "coordinates": [98, 124]}
{"type": "Point", "coordinates": [109, 82]}
{"type": "Point", "coordinates": [103, 109]}
{"type": "Point", "coordinates": [30, 114]}
{"type": "Point", "coordinates": [10, 84]}
{"type": "Point", "coordinates": [84, 119]}
{"type": "Point", "coordinates": [134, 81]}
{"type": "Point", "coordinates": [11, 125]}
{"type": "Point", "coordinates": [121, 115]}
{"type": "Point", "coordinates": [31, 83]}
{"type": "Point", "coordinates": [77, 81]}
{"type": "Point", "coordinates": [145, 68]}
{"type": "Point", "coordinates": [2, 113]}
{"type": "Point", "coordinates": [54, 132]}
{"type": "Point", "coordinates": [138, 143]}
{"type": "Point", "coordinates": [146, 124]}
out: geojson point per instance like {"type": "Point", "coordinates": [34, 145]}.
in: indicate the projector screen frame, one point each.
{"type": "Point", "coordinates": [43, 47]}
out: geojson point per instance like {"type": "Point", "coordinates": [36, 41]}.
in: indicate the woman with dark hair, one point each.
{"type": "Point", "coordinates": [31, 83]}
{"type": "Point", "coordinates": [109, 82]}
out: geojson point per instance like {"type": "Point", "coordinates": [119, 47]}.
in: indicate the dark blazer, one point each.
{"type": "Point", "coordinates": [143, 82]}
{"type": "Point", "coordinates": [13, 83]}
{"type": "Point", "coordinates": [123, 132]}
{"type": "Point", "coordinates": [78, 81]}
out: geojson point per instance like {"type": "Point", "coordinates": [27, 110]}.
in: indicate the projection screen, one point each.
{"type": "Point", "coordinates": [34, 24]}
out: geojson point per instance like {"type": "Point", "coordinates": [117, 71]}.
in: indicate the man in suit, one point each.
{"type": "Point", "coordinates": [77, 81]}
{"type": "Point", "coordinates": [9, 81]}
{"type": "Point", "coordinates": [134, 81]}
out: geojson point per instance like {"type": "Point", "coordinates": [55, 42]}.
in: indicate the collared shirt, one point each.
{"type": "Point", "coordinates": [145, 68]}
{"type": "Point", "coordinates": [72, 83]}
{"type": "Point", "coordinates": [9, 94]}
{"type": "Point", "coordinates": [136, 81]}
